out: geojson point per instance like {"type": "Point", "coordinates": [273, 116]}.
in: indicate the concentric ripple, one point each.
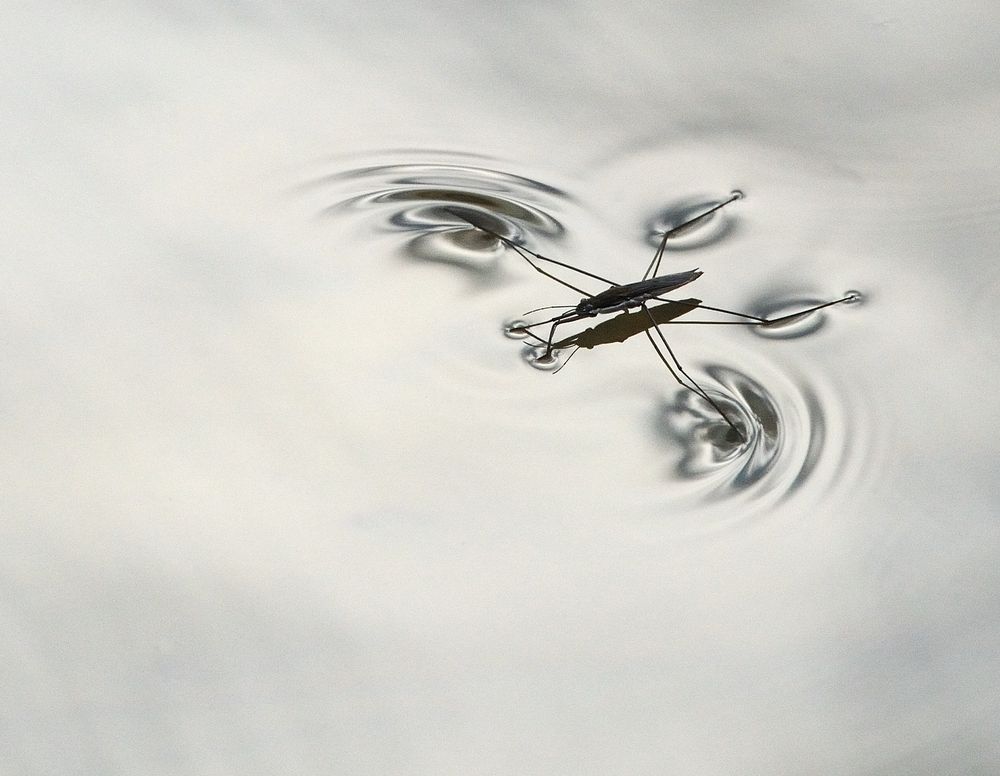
{"type": "Point", "coordinates": [430, 199]}
{"type": "Point", "coordinates": [785, 428]}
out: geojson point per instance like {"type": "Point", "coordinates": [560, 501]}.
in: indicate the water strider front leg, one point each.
{"type": "Point", "coordinates": [569, 317]}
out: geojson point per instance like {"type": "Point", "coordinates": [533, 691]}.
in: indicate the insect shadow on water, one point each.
{"type": "Point", "coordinates": [623, 297]}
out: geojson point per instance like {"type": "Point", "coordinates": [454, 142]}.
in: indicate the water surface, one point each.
{"type": "Point", "coordinates": [282, 492]}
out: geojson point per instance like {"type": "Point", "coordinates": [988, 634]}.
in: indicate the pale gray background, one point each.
{"type": "Point", "coordinates": [277, 497]}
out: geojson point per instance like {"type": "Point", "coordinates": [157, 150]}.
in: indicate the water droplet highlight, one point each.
{"type": "Point", "coordinates": [536, 357]}
{"type": "Point", "coordinates": [516, 329]}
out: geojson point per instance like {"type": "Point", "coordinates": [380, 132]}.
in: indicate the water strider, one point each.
{"type": "Point", "coordinates": [624, 297]}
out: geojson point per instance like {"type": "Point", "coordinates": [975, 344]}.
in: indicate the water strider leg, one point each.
{"type": "Point", "coordinates": [541, 341]}
{"type": "Point", "coordinates": [523, 252]}
{"type": "Point", "coordinates": [654, 266]}
{"type": "Point", "coordinates": [694, 387]}
{"type": "Point", "coordinates": [559, 368]}
{"type": "Point", "coordinates": [526, 254]}
{"type": "Point", "coordinates": [569, 317]}
{"type": "Point", "coordinates": [754, 320]}
{"type": "Point", "coordinates": [790, 316]}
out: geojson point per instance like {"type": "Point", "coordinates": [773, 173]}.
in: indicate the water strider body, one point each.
{"type": "Point", "coordinates": [633, 295]}
{"type": "Point", "coordinates": [624, 325]}
{"type": "Point", "coordinates": [623, 297]}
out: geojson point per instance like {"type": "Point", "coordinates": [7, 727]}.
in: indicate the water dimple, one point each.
{"type": "Point", "coordinates": [788, 325]}
{"type": "Point", "coordinates": [516, 329]}
{"type": "Point", "coordinates": [537, 357]}
{"type": "Point", "coordinates": [798, 316]}
{"type": "Point", "coordinates": [710, 228]}
{"type": "Point", "coordinates": [783, 436]}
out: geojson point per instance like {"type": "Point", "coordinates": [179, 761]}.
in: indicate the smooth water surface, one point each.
{"type": "Point", "coordinates": [288, 487]}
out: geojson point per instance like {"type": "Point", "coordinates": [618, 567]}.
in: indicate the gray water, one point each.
{"type": "Point", "coordinates": [280, 495]}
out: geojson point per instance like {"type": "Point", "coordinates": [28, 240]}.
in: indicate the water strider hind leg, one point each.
{"type": "Point", "coordinates": [676, 370]}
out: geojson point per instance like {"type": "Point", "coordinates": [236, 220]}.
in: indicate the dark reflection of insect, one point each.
{"type": "Point", "coordinates": [623, 297]}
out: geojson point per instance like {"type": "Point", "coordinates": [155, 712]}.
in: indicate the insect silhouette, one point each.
{"type": "Point", "coordinates": [622, 298]}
